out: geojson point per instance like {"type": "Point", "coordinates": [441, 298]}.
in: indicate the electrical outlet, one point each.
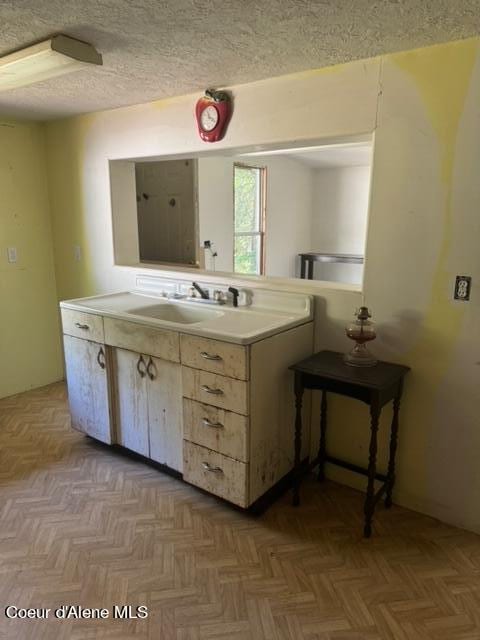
{"type": "Point", "coordinates": [77, 252]}
{"type": "Point", "coordinates": [462, 288]}
{"type": "Point", "coordinates": [12, 254]}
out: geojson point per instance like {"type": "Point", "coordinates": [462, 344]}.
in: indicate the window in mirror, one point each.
{"type": "Point", "coordinates": [249, 219]}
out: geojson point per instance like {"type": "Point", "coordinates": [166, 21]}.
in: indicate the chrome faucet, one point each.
{"type": "Point", "coordinates": [203, 293]}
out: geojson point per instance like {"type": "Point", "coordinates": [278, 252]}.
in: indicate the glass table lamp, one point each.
{"type": "Point", "coordinates": [361, 331]}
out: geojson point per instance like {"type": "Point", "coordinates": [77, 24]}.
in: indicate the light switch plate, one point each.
{"type": "Point", "coordinates": [77, 252]}
{"type": "Point", "coordinates": [12, 254]}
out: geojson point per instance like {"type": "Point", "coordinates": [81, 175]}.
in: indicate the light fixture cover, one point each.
{"type": "Point", "coordinates": [54, 57]}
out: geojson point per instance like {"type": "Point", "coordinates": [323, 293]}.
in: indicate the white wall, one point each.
{"type": "Point", "coordinates": [288, 210]}
{"type": "Point", "coordinates": [289, 214]}
{"type": "Point", "coordinates": [124, 212]}
{"type": "Point", "coordinates": [339, 220]}
{"type": "Point", "coordinates": [215, 209]}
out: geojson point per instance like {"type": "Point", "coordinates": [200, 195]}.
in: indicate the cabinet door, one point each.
{"type": "Point", "coordinates": [88, 391]}
{"type": "Point", "coordinates": [165, 412]}
{"type": "Point", "coordinates": [131, 401]}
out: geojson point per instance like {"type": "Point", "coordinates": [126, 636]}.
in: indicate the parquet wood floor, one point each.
{"type": "Point", "coordinates": [80, 524]}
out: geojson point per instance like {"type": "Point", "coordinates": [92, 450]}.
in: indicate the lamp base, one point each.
{"type": "Point", "coordinates": [360, 356]}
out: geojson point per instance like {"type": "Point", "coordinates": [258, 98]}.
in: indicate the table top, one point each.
{"type": "Point", "coordinates": [330, 364]}
{"type": "Point", "coordinates": [318, 256]}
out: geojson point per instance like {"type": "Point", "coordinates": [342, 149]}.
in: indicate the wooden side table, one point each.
{"type": "Point", "coordinates": [307, 261]}
{"type": "Point", "coordinates": [376, 386]}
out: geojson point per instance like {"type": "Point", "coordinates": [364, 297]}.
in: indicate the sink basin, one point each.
{"type": "Point", "coordinates": [270, 312]}
{"type": "Point", "coordinates": [175, 313]}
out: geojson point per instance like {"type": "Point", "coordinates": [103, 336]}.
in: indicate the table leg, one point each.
{"type": "Point", "coordinates": [393, 448]}
{"type": "Point", "coordinates": [298, 437]}
{"type": "Point", "coordinates": [302, 267]}
{"type": "Point", "coordinates": [323, 438]}
{"type": "Point", "coordinates": [372, 467]}
{"type": "Point", "coordinates": [310, 269]}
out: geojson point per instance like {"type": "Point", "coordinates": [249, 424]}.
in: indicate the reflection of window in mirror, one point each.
{"type": "Point", "coordinates": [166, 211]}
{"type": "Point", "coordinates": [249, 219]}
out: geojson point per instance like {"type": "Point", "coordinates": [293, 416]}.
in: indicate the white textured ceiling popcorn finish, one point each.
{"type": "Point", "coordinates": [153, 49]}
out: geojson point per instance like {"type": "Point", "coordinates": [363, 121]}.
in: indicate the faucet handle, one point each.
{"type": "Point", "coordinates": [245, 298]}
{"type": "Point", "coordinates": [235, 293]}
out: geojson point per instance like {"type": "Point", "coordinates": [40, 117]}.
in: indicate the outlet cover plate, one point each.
{"type": "Point", "coordinates": [462, 288]}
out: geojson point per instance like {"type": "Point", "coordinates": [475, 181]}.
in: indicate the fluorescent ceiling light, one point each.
{"type": "Point", "coordinates": [54, 57]}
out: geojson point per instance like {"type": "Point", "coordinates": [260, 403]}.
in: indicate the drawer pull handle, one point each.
{"type": "Point", "coordinates": [141, 367]}
{"type": "Point", "coordinates": [210, 356]}
{"type": "Point", "coordinates": [151, 369]}
{"type": "Point", "coordinates": [215, 392]}
{"type": "Point", "coordinates": [212, 425]}
{"type": "Point", "coordinates": [79, 325]}
{"type": "Point", "coordinates": [101, 358]}
{"type": "Point", "coordinates": [208, 467]}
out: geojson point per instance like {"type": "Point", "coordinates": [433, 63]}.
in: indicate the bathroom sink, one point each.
{"type": "Point", "coordinates": [268, 313]}
{"type": "Point", "coordinates": [175, 313]}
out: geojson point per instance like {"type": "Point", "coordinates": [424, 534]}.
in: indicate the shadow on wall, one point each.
{"type": "Point", "coordinates": [396, 337]}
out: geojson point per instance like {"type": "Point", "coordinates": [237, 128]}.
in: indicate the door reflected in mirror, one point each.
{"type": "Point", "coordinates": [166, 211]}
{"type": "Point", "coordinates": [290, 212]}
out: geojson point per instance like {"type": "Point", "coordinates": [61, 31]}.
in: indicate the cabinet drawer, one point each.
{"type": "Point", "coordinates": [215, 473]}
{"type": "Point", "coordinates": [216, 429]}
{"type": "Point", "coordinates": [219, 391]}
{"type": "Point", "coordinates": [141, 339]}
{"type": "Point", "coordinates": [214, 356]}
{"type": "Point", "coordinates": [82, 325]}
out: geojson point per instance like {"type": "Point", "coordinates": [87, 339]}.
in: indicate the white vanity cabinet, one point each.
{"type": "Point", "coordinates": [131, 401]}
{"type": "Point", "coordinates": [218, 411]}
{"type": "Point", "coordinates": [148, 396]}
{"type": "Point", "coordinates": [238, 412]}
{"type": "Point", "coordinates": [87, 369]}
{"type": "Point", "coordinates": [165, 412]}
{"type": "Point", "coordinates": [148, 406]}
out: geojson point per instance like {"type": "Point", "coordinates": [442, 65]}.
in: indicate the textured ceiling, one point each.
{"type": "Point", "coordinates": [153, 49]}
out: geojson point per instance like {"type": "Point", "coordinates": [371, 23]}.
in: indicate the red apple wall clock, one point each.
{"type": "Point", "coordinates": [213, 113]}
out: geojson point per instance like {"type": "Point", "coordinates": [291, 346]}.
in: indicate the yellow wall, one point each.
{"type": "Point", "coordinates": [30, 354]}
{"type": "Point", "coordinates": [423, 230]}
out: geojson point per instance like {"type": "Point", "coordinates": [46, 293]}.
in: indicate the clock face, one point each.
{"type": "Point", "coordinates": [209, 118]}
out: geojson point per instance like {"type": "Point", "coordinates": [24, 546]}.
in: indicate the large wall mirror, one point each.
{"type": "Point", "coordinates": [290, 212]}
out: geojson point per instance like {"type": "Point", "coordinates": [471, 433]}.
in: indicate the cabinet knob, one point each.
{"type": "Point", "coordinates": [212, 425]}
{"type": "Point", "coordinates": [215, 392]}
{"type": "Point", "coordinates": [79, 325]}
{"type": "Point", "coordinates": [211, 469]}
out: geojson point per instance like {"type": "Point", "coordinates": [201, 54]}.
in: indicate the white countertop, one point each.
{"type": "Point", "coordinates": [270, 312]}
